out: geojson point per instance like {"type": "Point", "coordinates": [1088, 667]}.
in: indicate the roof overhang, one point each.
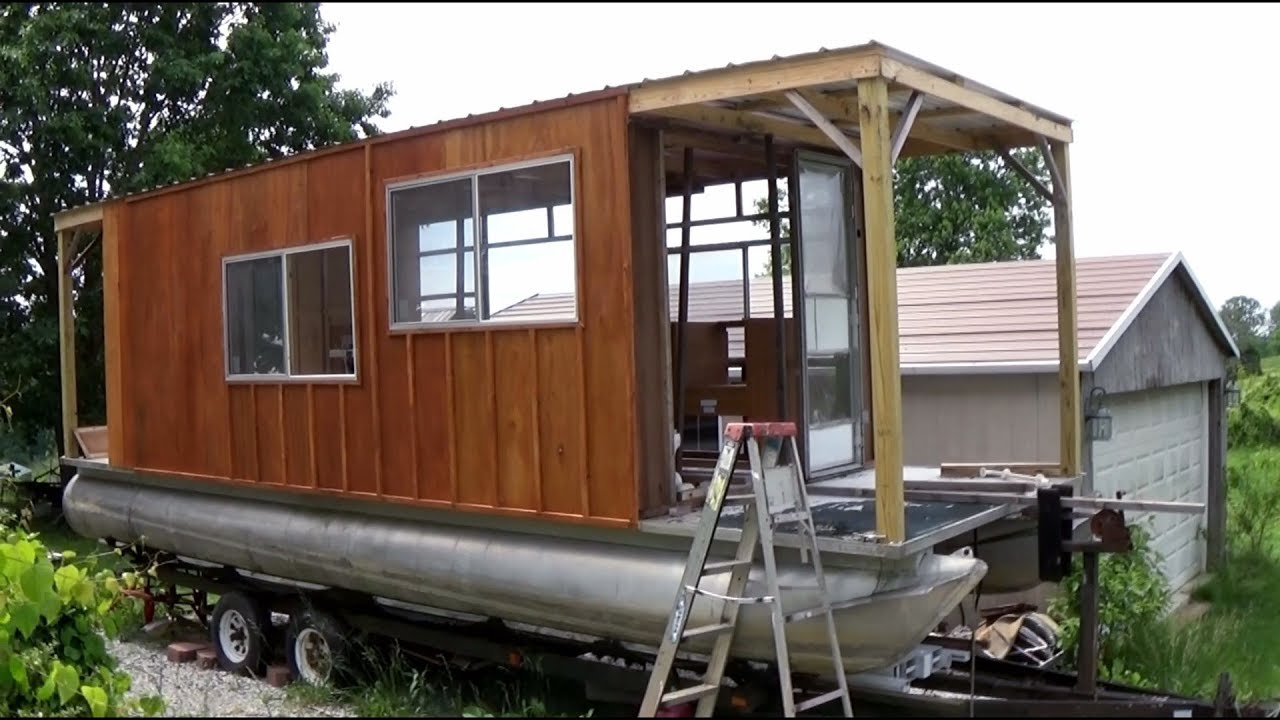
{"type": "Point", "coordinates": [86, 218]}
{"type": "Point", "coordinates": [1175, 261]}
{"type": "Point", "coordinates": [811, 99]}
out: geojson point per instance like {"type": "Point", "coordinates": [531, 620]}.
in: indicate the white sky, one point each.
{"type": "Point", "coordinates": [1173, 105]}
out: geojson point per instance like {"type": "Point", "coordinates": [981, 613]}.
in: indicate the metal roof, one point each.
{"type": "Point", "coordinates": [974, 318]}
{"type": "Point", "coordinates": [971, 122]}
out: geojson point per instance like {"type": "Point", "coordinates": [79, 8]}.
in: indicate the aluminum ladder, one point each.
{"type": "Point", "coordinates": [776, 495]}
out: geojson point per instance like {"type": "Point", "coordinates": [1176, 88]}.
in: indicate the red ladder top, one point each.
{"type": "Point", "coordinates": [741, 431]}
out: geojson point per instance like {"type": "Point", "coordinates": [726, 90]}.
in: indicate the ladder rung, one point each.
{"type": "Point", "coordinates": [739, 499]}
{"type": "Point", "coordinates": [707, 630]}
{"type": "Point", "coordinates": [744, 600]}
{"type": "Point", "coordinates": [713, 568]}
{"type": "Point", "coordinates": [786, 517]}
{"type": "Point", "coordinates": [799, 615]}
{"type": "Point", "coordinates": [820, 700]}
{"type": "Point", "coordinates": [697, 692]}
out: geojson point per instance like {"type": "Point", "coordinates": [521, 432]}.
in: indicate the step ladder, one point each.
{"type": "Point", "coordinates": [775, 496]}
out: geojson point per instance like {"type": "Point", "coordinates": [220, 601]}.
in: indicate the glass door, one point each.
{"type": "Point", "coordinates": [828, 294]}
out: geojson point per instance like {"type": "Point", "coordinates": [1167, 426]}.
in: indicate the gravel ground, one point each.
{"type": "Point", "coordinates": [191, 692]}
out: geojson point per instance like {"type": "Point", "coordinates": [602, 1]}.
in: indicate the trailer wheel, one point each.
{"type": "Point", "coordinates": [238, 629]}
{"type": "Point", "coordinates": [316, 646]}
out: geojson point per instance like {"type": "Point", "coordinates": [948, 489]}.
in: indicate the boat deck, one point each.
{"type": "Point", "coordinates": [846, 525]}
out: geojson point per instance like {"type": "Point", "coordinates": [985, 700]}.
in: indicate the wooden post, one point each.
{"type": "Point", "coordinates": [882, 293]}
{"type": "Point", "coordinates": [67, 343]}
{"type": "Point", "coordinates": [1068, 353]}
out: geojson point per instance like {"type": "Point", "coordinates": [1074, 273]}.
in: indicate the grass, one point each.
{"type": "Point", "coordinates": [407, 686]}
{"type": "Point", "coordinates": [1240, 633]}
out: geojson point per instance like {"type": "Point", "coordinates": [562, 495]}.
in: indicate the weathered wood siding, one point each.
{"type": "Point", "coordinates": [497, 418]}
{"type": "Point", "coordinates": [1168, 343]}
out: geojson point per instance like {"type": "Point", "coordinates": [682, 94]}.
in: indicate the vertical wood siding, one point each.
{"type": "Point", "coordinates": [502, 419]}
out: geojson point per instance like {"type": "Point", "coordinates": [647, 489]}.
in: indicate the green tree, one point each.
{"type": "Point", "coordinates": [102, 99]}
{"type": "Point", "coordinates": [960, 208]}
{"type": "Point", "coordinates": [1245, 319]}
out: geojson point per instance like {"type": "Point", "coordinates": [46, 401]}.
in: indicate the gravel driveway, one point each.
{"type": "Point", "coordinates": [191, 692]}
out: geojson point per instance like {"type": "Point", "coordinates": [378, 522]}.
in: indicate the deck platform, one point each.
{"type": "Point", "coordinates": [846, 526]}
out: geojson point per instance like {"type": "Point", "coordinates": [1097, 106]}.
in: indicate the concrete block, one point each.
{"type": "Point", "coordinates": [279, 675]}
{"type": "Point", "coordinates": [183, 652]}
{"type": "Point", "coordinates": [206, 658]}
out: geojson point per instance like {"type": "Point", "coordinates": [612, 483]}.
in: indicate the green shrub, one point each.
{"type": "Point", "coordinates": [1256, 421]}
{"type": "Point", "coordinates": [1253, 498]}
{"type": "Point", "coordinates": [54, 616]}
{"type": "Point", "coordinates": [1133, 596]}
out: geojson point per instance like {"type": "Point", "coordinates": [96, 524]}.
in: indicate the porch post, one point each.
{"type": "Point", "coordinates": [882, 296]}
{"type": "Point", "coordinates": [67, 343]}
{"type": "Point", "coordinates": [1068, 354]}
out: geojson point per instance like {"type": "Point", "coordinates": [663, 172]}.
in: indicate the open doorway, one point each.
{"type": "Point", "coordinates": [734, 357]}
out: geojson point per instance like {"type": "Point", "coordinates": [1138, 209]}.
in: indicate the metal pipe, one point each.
{"type": "Point", "coordinates": [683, 310]}
{"type": "Point", "coordinates": [918, 490]}
{"type": "Point", "coordinates": [775, 256]}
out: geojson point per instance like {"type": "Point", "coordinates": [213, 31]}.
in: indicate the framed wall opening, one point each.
{"type": "Point", "coordinates": [729, 210]}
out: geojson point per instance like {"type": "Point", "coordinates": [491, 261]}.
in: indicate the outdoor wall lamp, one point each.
{"type": "Point", "coordinates": [1097, 416]}
{"type": "Point", "coordinates": [1232, 393]}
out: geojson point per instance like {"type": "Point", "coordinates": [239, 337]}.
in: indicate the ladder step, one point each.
{"type": "Point", "coordinates": [707, 630]}
{"type": "Point", "coordinates": [739, 499]}
{"type": "Point", "coordinates": [713, 568]}
{"type": "Point", "coordinates": [820, 700]}
{"type": "Point", "coordinates": [745, 600]}
{"type": "Point", "coordinates": [805, 614]}
{"type": "Point", "coordinates": [697, 692]}
{"type": "Point", "coordinates": [788, 517]}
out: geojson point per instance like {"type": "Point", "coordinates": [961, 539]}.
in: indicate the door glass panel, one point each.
{"type": "Point", "coordinates": [827, 295]}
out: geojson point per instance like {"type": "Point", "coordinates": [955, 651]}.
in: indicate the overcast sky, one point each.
{"type": "Point", "coordinates": [1174, 105]}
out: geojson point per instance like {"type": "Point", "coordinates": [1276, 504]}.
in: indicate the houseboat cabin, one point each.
{"type": "Point", "coordinates": [492, 315]}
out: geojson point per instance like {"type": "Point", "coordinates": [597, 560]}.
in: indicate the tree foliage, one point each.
{"type": "Point", "coordinates": [101, 99]}
{"type": "Point", "coordinates": [1244, 317]}
{"type": "Point", "coordinates": [961, 208]}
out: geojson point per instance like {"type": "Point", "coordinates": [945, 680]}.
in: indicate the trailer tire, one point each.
{"type": "Point", "coordinates": [238, 630]}
{"type": "Point", "coordinates": [316, 646]}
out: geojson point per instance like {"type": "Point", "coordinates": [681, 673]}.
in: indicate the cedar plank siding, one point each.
{"type": "Point", "coordinates": [501, 418]}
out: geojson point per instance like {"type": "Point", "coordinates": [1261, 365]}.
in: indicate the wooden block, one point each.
{"type": "Point", "coordinates": [184, 652]}
{"type": "Point", "coordinates": [279, 675]}
{"type": "Point", "coordinates": [206, 658]}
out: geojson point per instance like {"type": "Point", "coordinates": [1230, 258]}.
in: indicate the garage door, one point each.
{"type": "Point", "coordinates": [1159, 451]}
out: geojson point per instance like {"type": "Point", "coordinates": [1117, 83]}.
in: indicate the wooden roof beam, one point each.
{"type": "Point", "coordinates": [755, 78]}
{"type": "Point", "coordinates": [903, 126]}
{"type": "Point", "coordinates": [85, 217]}
{"type": "Point", "coordinates": [745, 122]}
{"type": "Point", "coordinates": [842, 109]}
{"type": "Point", "coordinates": [974, 100]}
{"type": "Point", "coordinates": [842, 141]}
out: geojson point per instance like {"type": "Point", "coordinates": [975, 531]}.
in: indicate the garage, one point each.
{"type": "Point", "coordinates": [1159, 451]}
{"type": "Point", "coordinates": [979, 384]}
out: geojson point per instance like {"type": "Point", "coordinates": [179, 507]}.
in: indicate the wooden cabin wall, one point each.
{"type": "Point", "coordinates": [503, 418]}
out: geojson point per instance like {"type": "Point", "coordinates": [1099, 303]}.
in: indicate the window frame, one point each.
{"type": "Point", "coordinates": [288, 376]}
{"type": "Point", "coordinates": [474, 173]}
